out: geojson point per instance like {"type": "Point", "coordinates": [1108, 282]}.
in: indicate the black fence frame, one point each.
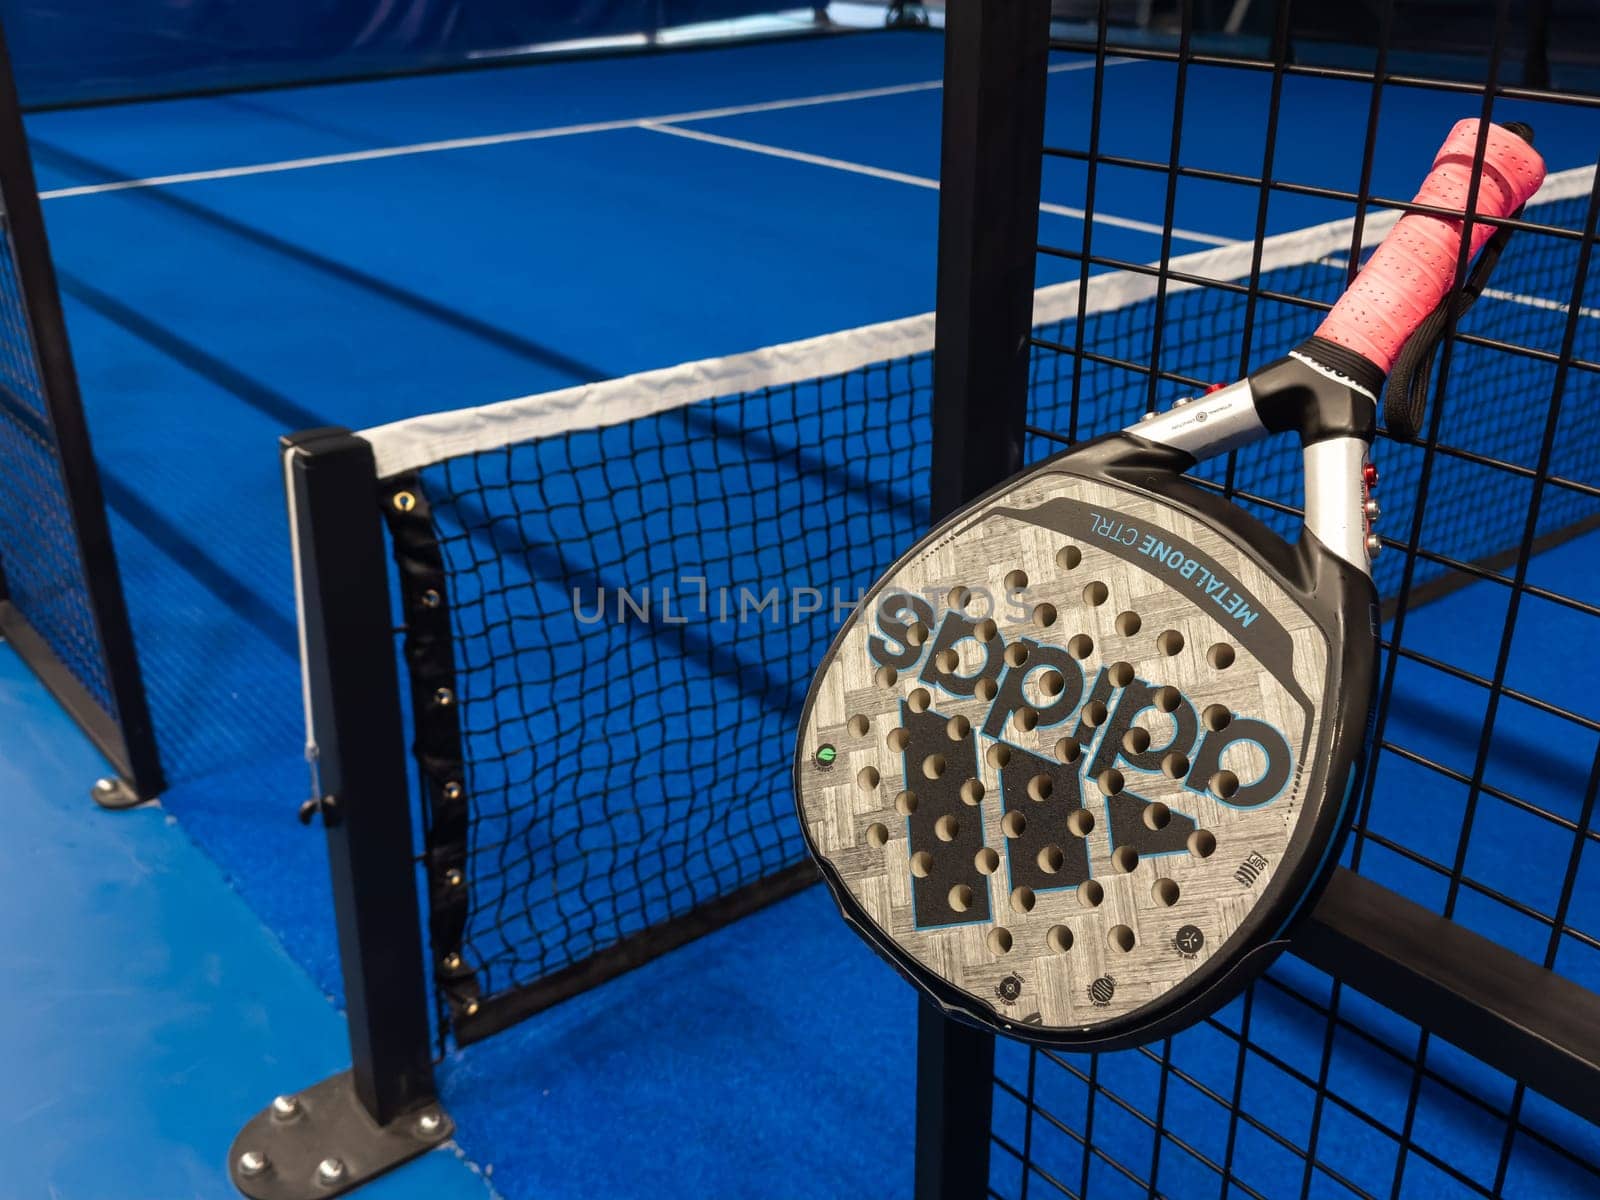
{"type": "Point", "coordinates": [1513, 1014]}
{"type": "Point", "coordinates": [994, 93]}
{"type": "Point", "coordinates": [125, 736]}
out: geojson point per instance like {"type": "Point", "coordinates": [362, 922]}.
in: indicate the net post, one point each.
{"type": "Point", "coordinates": [384, 1110]}
{"type": "Point", "coordinates": [996, 54]}
{"type": "Point", "coordinates": [124, 735]}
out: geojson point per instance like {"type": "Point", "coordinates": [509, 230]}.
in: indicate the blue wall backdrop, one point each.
{"type": "Point", "coordinates": [67, 51]}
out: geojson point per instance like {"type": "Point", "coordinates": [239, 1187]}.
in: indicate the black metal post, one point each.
{"type": "Point", "coordinates": [383, 1111]}
{"type": "Point", "coordinates": [955, 1107]}
{"type": "Point", "coordinates": [1536, 49]}
{"type": "Point", "coordinates": [994, 84]}
{"type": "Point", "coordinates": [1500, 1007]}
{"type": "Point", "coordinates": [125, 736]}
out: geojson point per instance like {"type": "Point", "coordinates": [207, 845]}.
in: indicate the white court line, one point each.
{"type": "Point", "coordinates": [921, 181]}
{"type": "Point", "coordinates": [1548, 305]}
{"type": "Point", "coordinates": [521, 135]}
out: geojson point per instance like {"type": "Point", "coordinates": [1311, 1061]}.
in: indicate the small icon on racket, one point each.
{"type": "Point", "coordinates": [1189, 940]}
{"type": "Point", "coordinates": [1102, 990]}
{"type": "Point", "coordinates": [827, 755]}
{"type": "Point", "coordinates": [1250, 870]}
{"type": "Point", "coordinates": [1009, 988]}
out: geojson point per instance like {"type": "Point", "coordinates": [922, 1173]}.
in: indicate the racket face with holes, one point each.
{"type": "Point", "coordinates": [1082, 755]}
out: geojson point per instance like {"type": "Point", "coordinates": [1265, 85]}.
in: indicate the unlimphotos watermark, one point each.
{"type": "Point", "coordinates": [694, 598]}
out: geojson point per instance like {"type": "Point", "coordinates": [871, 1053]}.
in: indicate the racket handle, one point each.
{"type": "Point", "coordinates": [1409, 274]}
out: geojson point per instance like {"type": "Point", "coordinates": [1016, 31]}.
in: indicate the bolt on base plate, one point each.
{"type": "Point", "coordinates": [112, 792]}
{"type": "Point", "coordinates": [321, 1143]}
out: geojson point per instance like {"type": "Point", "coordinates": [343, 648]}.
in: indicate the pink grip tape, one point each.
{"type": "Point", "coordinates": [1414, 267]}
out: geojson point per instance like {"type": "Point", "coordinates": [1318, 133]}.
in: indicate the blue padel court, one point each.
{"type": "Point", "coordinates": [239, 267]}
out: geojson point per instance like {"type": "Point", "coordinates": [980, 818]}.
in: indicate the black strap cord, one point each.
{"type": "Point", "coordinates": [1405, 402]}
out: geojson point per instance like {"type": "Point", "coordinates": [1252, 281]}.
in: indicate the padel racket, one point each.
{"type": "Point", "coordinates": [1083, 755]}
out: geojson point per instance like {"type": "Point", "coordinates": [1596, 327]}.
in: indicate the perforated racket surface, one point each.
{"type": "Point", "coordinates": [1065, 745]}
{"type": "Point", "coordinates": [1082, 756]}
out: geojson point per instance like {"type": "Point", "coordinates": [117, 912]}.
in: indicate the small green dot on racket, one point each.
{"type": "Point", "coordinates": [825, 755]}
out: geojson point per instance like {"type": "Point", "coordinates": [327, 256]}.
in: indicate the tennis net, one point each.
{"type": "Point", "coordinates": [641, 575]}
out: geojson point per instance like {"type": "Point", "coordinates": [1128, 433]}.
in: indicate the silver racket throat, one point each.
{"type": "Point", "coordinates": [1227, 419]}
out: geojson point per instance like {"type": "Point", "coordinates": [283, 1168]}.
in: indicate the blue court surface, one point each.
{"type": "Point", "coordinates": [239, 267]}
{"type": "Point", "coordinates": [152, 1009]}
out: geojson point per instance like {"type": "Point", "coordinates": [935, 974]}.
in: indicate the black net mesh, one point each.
{"type": "Point", "coordinates": [1303, 1088]}
{"type": "Point", "coordinates": [637, 611]}
{"type": "Point", "coordinates": [39, 556]}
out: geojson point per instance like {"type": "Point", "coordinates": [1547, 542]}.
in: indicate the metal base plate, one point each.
{"type": "Point", "coordinates": [322, 1142]}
